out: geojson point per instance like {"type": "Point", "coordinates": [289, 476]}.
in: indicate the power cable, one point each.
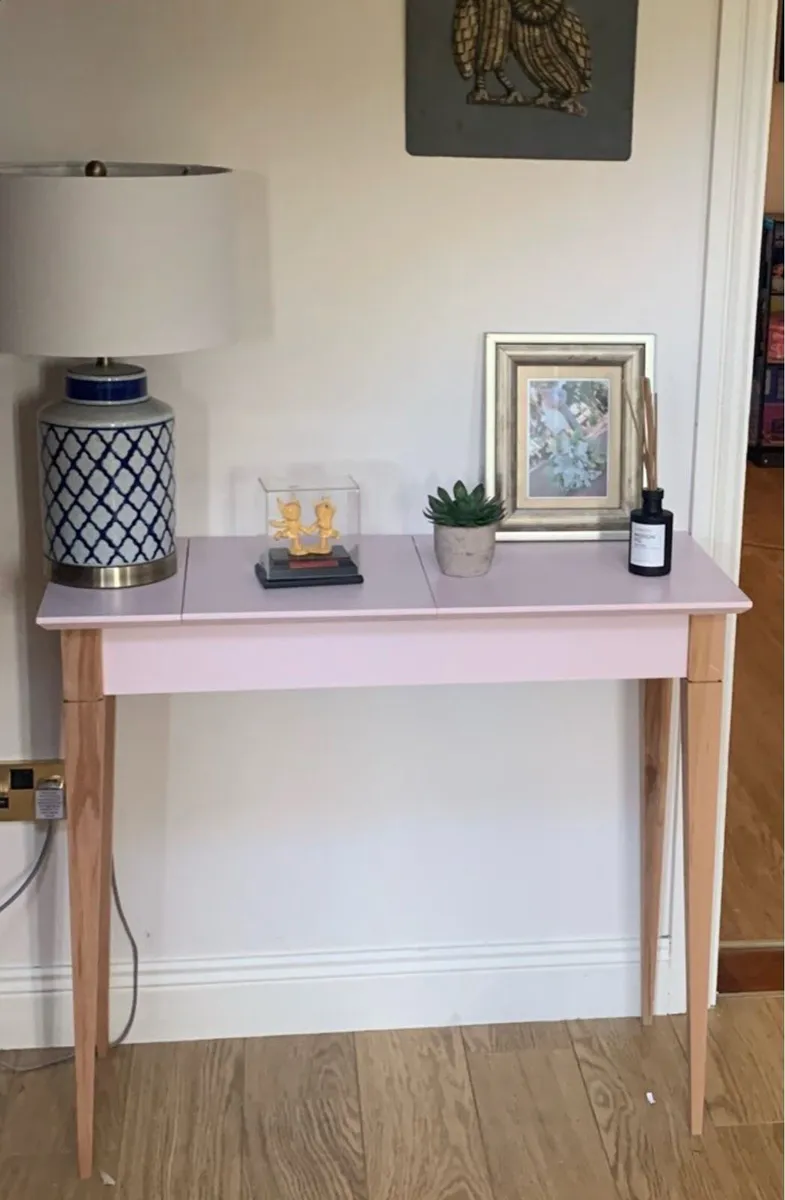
{"type": "Point", "coordinates": [39, 862]}
{"type": "Point", "coordinates": [6, 904]}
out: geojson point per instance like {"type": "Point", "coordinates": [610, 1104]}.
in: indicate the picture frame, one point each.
{"type": "Point", "coordinates": [532, 79]}
{"type": "Point", "coordinates": [562, 443]}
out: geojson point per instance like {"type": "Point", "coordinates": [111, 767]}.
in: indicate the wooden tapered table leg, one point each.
{"type": "Point", "coordinates": [701, 716]}
{"type": "Point", "coordinates": [105, 916]}
{"type": "Point", "coordinates": [657, 695]}
{"type": "Point", "coordinates": [85, 750]}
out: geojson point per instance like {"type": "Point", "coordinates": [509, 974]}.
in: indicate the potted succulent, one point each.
{"type": "Point", "coordinates": [464, 529]}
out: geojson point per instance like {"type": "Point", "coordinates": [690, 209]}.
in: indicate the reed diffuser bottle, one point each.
{"type": "Point", "coordinates": [651, 525]}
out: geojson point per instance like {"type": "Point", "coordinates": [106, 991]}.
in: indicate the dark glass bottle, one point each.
{"type": "Point", "coordinates": [651, 536]}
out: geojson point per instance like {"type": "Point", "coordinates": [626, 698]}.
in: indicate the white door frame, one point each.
{"type": "Point", "coordinates": [745, 78]}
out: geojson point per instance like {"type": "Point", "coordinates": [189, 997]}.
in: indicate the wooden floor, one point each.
{"type": "Point", "coordinates": [587, 1111]}
{"type": "Point", "coordinates": [752, 899]}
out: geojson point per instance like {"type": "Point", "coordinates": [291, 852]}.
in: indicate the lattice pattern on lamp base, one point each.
{"type": "Point", "coordinates": [108, 493]}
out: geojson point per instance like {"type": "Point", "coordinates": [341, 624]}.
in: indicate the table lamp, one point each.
{"type": "Point", "coordinates": [103, 261]}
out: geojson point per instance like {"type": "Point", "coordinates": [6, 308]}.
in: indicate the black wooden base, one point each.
{"type": "Point", "coordinates": [313, 570]}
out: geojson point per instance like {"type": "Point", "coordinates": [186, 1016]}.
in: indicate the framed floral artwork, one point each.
{"type": "Point", "coordinates": [563, 448]}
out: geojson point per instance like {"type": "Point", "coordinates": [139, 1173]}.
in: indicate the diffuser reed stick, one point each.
{"type": "Point", "coordinates": [651, 525]}
{"type": "Point", "coordinates": [650, 435]}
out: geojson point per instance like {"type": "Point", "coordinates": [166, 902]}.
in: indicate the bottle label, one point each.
{"type": "Point", "coordinates": [647, 545]}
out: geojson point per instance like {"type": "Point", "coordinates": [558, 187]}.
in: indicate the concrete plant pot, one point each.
{"type": "Point", "coordinates": [464, 552]}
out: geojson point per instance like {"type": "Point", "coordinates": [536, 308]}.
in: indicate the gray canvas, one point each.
{"type": "Point", "coordinates": [520, 78]}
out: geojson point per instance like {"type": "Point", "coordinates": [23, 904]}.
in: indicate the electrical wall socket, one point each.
{"type": "Point", "coordinates": [32, 790]}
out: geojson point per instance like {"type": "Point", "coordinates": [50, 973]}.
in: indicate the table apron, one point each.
{"type": "Point", "coordinates": [280, 655]}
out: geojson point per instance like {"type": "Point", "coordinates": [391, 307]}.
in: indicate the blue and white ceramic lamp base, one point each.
{"type": "Point", "coordinates": [107, 477]}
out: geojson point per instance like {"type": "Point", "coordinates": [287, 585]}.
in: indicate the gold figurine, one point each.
{"type": "Point", "coordinates": [292, 528]}
{"type": "Point", "coordinates": [324, 511]}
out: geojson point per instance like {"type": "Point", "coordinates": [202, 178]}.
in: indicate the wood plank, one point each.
{"type": "Point", "coordinates": [183, 1125]}
{"type": "Point", "coordinates": [657, 700]}
{"type": "Point", "coordinates": [181, 1138]}
{"type": "Point", "coordinates": [754, 1156]}
{"type": "Point", "coordinates": [422, 1135]}
{"type": "Point", "coordinates": [744, 1079]}
{"type": "Point", "coordinates": [707, 649]}
{"type": "Point", "coordinates": [538, 1128]}
{"type": "Point", "coordinates": [763, 507]}
{"type": "Point", "coordinates": [80, 652]}
{"type": "Point", "coordinates": [701, 718]}
{"type": "Point", "coordinates": [509, 1038]}
{"type": "Point", "coordinates": [752, 897]}
{"type": "Point", "coordinates": [39, 1115]}
{"type": "Point", "coordinates": [84, 726]}
{"type": "Point", "coordinates": [302, 1133]}
{"type": "Point", "coordinates": [649, 1147]}
{"type": "Point", "coordinates": [48, 1177]}
{"type": "Point", "coordinates": [751, 968]}
{"type": "Point", "coordinates": [6, 1080]}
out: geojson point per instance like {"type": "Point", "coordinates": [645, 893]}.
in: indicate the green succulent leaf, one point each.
{"type": "Point", "coordinates": [464, 509]}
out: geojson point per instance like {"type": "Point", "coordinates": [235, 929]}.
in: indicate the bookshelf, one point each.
{"type": "Point", "coordinates": [767, 408]}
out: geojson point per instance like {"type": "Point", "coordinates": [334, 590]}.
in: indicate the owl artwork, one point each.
{"type": "Point", "coordinates": [546, 38]}
{"type": "Point", "coordinates": [538, 79]}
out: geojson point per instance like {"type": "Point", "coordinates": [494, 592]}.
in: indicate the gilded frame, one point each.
{"type": "Point", "coordinates": [628, 358]}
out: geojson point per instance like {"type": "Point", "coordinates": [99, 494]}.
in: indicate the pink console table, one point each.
{"type": "Point", "coordinates": [561, 611]}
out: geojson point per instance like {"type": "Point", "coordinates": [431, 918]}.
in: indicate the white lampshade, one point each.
{"type": "Point", "coordinates": [134, 263]}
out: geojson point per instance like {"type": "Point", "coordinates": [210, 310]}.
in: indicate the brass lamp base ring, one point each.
{"type": "Point", "coordinates": [124, 576]}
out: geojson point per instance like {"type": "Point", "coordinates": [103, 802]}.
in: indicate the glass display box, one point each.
{"type": "Point", "coordinates": [311, 532]}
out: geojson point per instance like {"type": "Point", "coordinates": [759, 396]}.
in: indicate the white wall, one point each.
{"type": "Point", "coordinates": [310, 840]}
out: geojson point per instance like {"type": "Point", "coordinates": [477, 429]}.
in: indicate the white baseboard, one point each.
{"type": "Point", "coordinates": [332, 991]}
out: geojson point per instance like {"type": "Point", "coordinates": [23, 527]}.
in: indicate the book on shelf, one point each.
{"type": "Point", "coordinates": [776, 341]}
{"type": "Point", "coordinates": [772, 426]}
{"type": "Point", "coordinates": [766, 407]}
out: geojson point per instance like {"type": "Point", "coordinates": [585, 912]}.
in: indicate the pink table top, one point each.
{"type": "Point", "coordinates": [583, 577]}
{"type": "Point", "coordinates": [216, 584]}
{"type": "Point", "coordinates": [221, 585]}
{"type": "Point", "coordinates": [82, 608]}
